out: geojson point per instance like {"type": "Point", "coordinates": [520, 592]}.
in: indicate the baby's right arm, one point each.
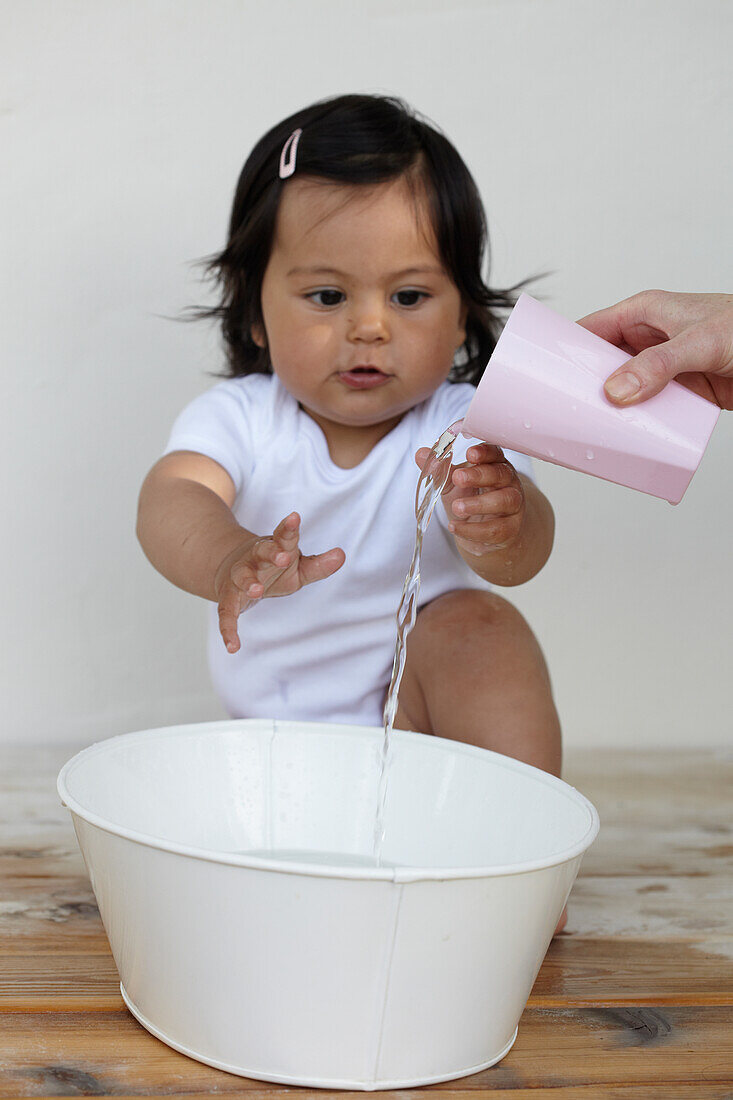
{"type": "Point", "coordinates": [189, 533]}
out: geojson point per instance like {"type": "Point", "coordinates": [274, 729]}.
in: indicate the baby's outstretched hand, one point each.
{"type": "Point", "coordinates": [269, 566]}
{"type": "Point", "coordinates": [483, 499]}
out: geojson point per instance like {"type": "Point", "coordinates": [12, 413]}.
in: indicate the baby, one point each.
{"type": "Point", "coordinates": [356, 324]}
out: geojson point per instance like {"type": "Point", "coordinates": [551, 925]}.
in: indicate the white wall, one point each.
{"type": "Point", "coordinates": [599, 133]}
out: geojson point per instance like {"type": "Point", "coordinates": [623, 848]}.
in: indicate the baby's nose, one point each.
{"type": "Point", "coordinates": [368, 324]}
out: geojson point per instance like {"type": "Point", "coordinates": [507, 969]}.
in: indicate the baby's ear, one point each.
{"type": "Point", "coordinates": [257, 332]}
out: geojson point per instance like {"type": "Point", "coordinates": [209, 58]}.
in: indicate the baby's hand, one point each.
{"type": "Point", "coordinates": [484, 500]}
{"type": "Point", "coordinates": [269, 566]}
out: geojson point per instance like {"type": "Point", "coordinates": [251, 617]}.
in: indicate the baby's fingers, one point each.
{"type": "Point", "coordinates": [286, 534]}
{"type": "Point", "coordinates": [485, 475]}
{"type": "Point", "coordinates": [242, 589]}
{"type": "Point", "coordinates": [497, 502]}
{"type": "Point", "coordinates": [278, 551]}
{"type": "Point", "coordinates": [319, 566]}
{"type": "Point", "coordinates": [484, 452]}
{"type": "Point", "coordinates": [229, 607]}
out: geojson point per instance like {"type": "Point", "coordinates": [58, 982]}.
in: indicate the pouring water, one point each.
{"type": "Point", "coordinates": [431, 483]}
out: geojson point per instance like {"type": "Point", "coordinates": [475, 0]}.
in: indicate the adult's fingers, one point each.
{"type": "Point", "coordinates": [643, 319]}
{"type": "Point", "coordinates": [698, 349]}
{"type": "Point", "coordinates": [667, 335]}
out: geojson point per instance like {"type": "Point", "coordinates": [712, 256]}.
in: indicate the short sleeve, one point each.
{"type": "Point", "coordinates": [220, 424]}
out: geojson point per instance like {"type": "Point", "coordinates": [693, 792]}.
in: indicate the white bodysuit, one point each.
{"type": "Point", "coordinates": [324, 653]}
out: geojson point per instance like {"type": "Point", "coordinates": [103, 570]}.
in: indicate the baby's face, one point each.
{"type": "Point", "coordinates": [360, 317]}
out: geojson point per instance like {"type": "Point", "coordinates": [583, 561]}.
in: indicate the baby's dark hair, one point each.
{"type": "Point", "coordinates": [353, 140]}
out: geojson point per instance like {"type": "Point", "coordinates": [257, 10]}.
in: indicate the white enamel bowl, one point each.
{"type": "Point", "coordinates": [327, 975]}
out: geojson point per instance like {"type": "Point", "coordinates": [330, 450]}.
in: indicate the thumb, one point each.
{"type": "Point", "coordinates": [421, 456]}
{"type": "Point", "coordinates": [317, 567]}
{"type": "Point", "coordinates": [649, 372]}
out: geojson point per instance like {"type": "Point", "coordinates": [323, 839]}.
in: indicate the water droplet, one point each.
{"type": "Point", "coordinates": [574, 408]}
{"type": "Point", "coordinates": [527, 424]}
{"type": "Point", "coordinates": [551, 454]}
{"type": "Point", "coordinates": [589, 455]}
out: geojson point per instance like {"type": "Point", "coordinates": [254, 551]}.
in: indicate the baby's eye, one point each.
{"type": "Point", "coordinates": [326, 297]}
{"type": "Point", "coordinates": [409, 297]}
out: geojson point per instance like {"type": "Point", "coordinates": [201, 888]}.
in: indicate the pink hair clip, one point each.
{"type": "Point", "coordinates": [287, 157]}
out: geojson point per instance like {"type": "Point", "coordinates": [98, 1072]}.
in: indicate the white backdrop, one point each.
{"type": "Point", "coordinates": [599, 134]}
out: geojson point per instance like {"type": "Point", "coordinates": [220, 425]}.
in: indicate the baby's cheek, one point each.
{"type": "Point", "coordinates": [320, 338]}
{"type": "Point", "coordinates": [308, 346]}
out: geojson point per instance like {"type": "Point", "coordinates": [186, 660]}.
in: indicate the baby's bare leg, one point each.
{"type": "Point", "coordinates": [476, 673]}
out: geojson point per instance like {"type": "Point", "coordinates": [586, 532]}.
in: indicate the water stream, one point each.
{"type": "Point", "coordinates": [430, 485]}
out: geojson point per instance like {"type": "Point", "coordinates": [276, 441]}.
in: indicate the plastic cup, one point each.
{"type": "Point", "coordinates": [542, 394]}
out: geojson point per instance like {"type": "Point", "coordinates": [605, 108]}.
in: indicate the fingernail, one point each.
{"type": "Point", "coordinates": [623, 386]}
{"type": "Point", "coordinates": [459, 508]}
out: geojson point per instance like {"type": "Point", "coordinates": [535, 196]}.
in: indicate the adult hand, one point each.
{"type": "Point", "coordinates": [688, 337]}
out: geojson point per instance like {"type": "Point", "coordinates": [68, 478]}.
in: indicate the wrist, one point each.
{"type": "Point", "coordinates": [226, 551]}
{"type": "Point", "coordinates": [494, 563]}
{"type": "Point", "coordinates": [517, 559]}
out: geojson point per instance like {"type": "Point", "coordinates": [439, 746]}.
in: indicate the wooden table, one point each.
{"type": "Point", "coordinates": [633, 1001]}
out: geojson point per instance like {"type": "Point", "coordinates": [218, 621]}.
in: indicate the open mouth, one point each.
{"type": "Point", "coordinates": [363, 378]}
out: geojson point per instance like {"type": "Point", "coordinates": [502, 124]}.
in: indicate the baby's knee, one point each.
{"type": "Point", "coordinates": [467, 608]}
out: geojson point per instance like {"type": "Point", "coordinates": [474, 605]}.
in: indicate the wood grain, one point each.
{"type": "Point", "coordinates": [575, 972]}
{"type": "Point", "coordinates": [110, 1054]}
{"type": "Point", "coordinates": [633, 1002]}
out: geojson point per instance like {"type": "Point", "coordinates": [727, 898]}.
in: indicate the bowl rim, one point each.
{"type": "Point", "coordinates": [399, 873]}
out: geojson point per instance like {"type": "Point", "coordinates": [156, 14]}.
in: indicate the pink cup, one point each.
{"type": "Point", "coordinates": [542, 394]}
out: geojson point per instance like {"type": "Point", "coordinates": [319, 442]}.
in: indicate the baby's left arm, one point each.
{"type": "Point", "coordinates": [503, 525]}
